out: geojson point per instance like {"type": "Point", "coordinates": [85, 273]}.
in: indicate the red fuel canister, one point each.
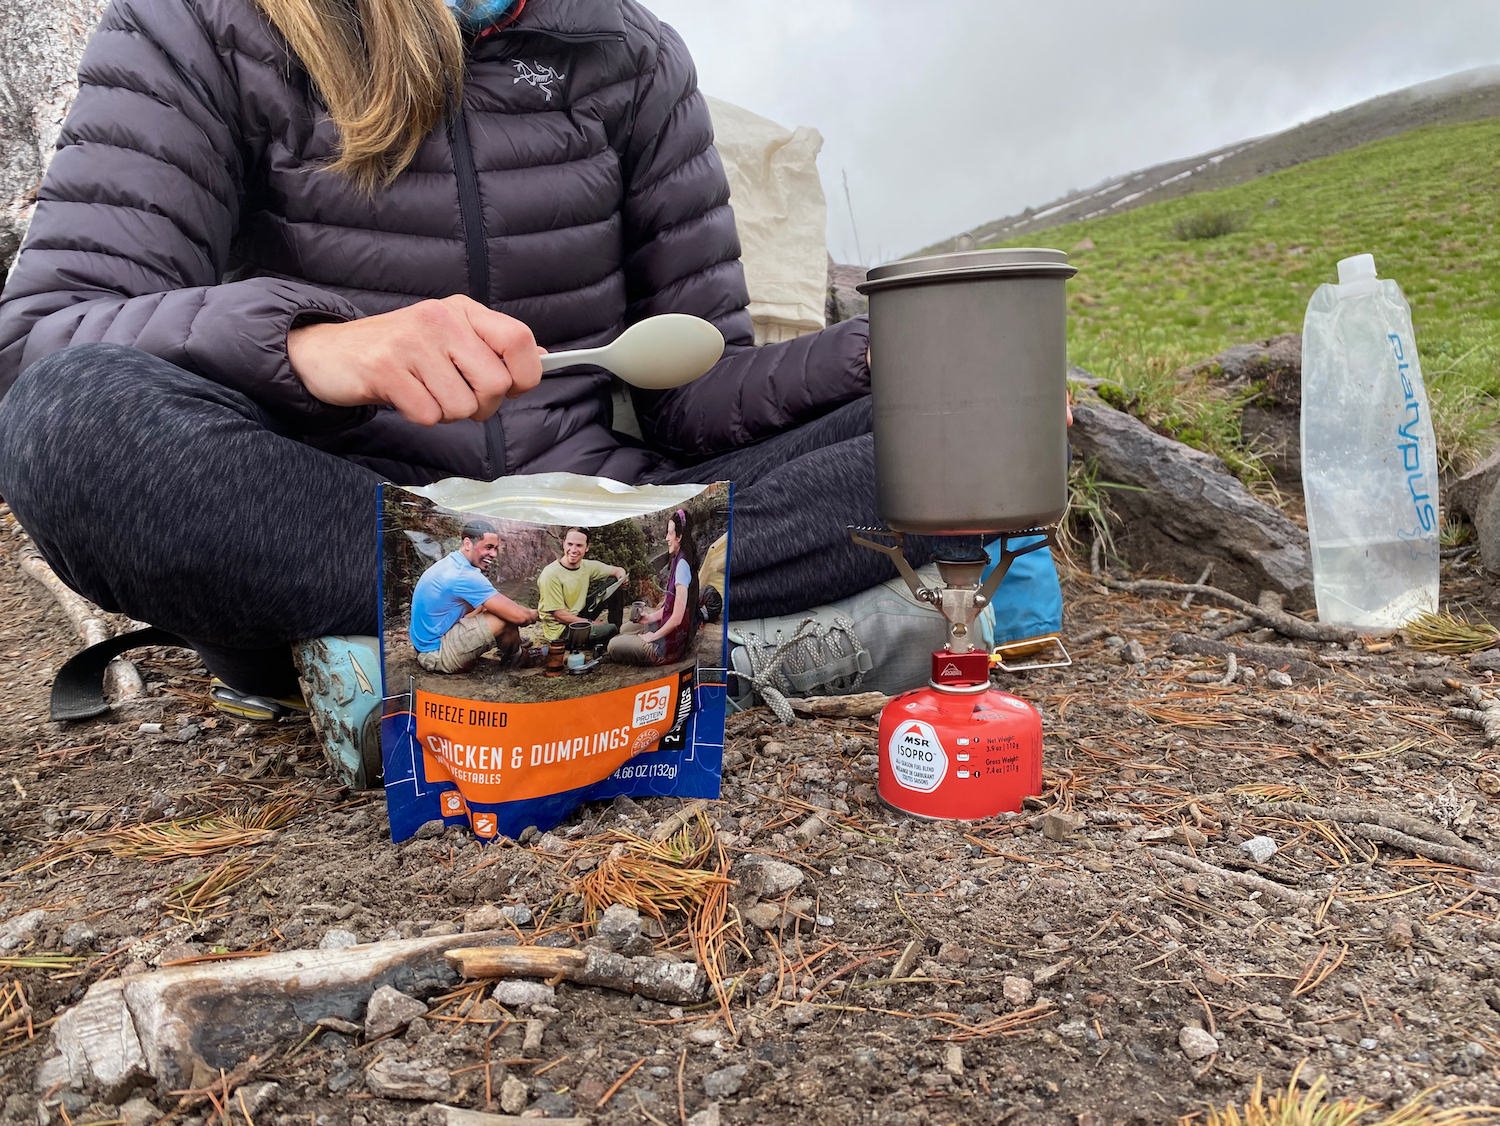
{"type": "Point", "coordinates": [959, 753]}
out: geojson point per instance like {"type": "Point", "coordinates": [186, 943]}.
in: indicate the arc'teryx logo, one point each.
{"type": "Point", "coordinates": [541, 77]}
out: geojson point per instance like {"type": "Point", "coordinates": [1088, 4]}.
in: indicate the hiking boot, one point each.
{"type": "Point", "coordinates": [340, 678]}
{"type": "Point", "coordinates": [879, 640]}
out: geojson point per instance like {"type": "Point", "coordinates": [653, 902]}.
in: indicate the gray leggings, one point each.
{"type": "Point", "coordinates": [165, 496]}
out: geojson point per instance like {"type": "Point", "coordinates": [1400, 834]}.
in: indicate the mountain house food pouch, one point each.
{"type": "Point", "coordinates": [501, 739]}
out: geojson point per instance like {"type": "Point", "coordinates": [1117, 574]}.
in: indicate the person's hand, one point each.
{"type": "Point", "coordinates": [435, 361]}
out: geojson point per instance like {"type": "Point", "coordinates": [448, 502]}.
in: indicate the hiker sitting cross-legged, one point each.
{"type": "Point", "coordinates": [289, 248]}
{"type": "Point", "coordinates": [574, 589]}
{"type": "Point", "coordinates": [456, 612]}
{"type": "Point", "coordinates": [664, 633]}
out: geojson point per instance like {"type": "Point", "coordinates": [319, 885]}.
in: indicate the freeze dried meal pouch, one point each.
{"type": "Point", "coordinates": [546, 641]}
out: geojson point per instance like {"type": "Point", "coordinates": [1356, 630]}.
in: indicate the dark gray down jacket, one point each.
{"type": "Point", "coordinates": [576, 189]}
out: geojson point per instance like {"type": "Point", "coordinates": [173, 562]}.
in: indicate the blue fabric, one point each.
{"type": "Point", "coordinates": [1029, 601]}
{"type": "Point", "coordinates": [476, 14]}
{"type": "Point", "coordinates": [447, 590]}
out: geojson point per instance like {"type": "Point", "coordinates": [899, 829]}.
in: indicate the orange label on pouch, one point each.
{"type": "Point", "coordinates": [501, 752]}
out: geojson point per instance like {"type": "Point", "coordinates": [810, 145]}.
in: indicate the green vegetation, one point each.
{"type": "Point", "coordinates": [1149, 300]}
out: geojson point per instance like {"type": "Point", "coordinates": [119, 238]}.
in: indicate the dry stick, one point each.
{"type": "Point", "coordinates": [679, 820]}
{"type": "Point", "coordinates": [1187, 599]}
{"type": "Point", "coordinates": [674, 982]}
{"type": "Point", "coordinates": [1377, 825]}
{"type": "Point", "coordinates": [861, 705]}
{"type": "Point", "coordinates": [1244, 879]}
{"type": "Point", "coordinates": [1281, 622]}
{"type": "Point", "coordinates": [1486, 716]}
{"type": "Point", "coordinates": [1294, 719]}
{"type": "Point", "coordinates": [1292, 661]}
{"type": "Point", "coordinates": [1231, 670]}
{"type": "Point", "coordinates": [121, 678]}
{"type": "Point", "coordinates": [1356, 815]}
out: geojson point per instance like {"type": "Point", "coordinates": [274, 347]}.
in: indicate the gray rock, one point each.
{"type": "Point", "coordinates": [726, 1081]}
{"type": "Point", "coordinates": [1477, 495]}
{"type": "Point", "coordinates": [531, 1044]}
{"type": "Point", "coordinates": [768, 879]}
{"type": "Point", "coordinates": [400, 1079]}
{"type": "Point", "coordinates": [390, 1009]}
{"type": "Point", "coordinates": [1058, 825]}
{"type": "Point", "coordinates": [1259, 849]}
{"type": "Point", "coordinates": [1195, 1043]}
{"type": "Point", "coordinates": [17, 930]}
{"type": "Point", "coordinates": [708, 1116]}
{"type": "Point", "coordinates": [1134, 653]}
{"type": "Point", "coordinates": [255, 1097]}
{"type": "Point", "coordinates": [140, 1110]}
{"type": "Point", "coordinates": [518, 913]}
{"type": "Point", "coordinates": [766, 916]}
{"type": "Point", "coordinates": [524, 994]}
{"type": "Point", "coordinates": [485, 917]}
{"type": "Point", "coordinates": [80, 936]}
{"type": "Point", "coordinates": [1278, 679]}
{"type": "Point", "coordinates": [1186, 508]}
{"type": "Point", "coordinates": [338, 939]}
{"type": "Point", "coordinates": [1017, 990]}
{"type": "Point", "coordinates": [799, 1016]}
{"type": "Point", "coordinates": [514, 1095]}
{"type": "Point", "coordinates": [1487, 660]}
{"type": "Point", "coordinates": [620, 926]}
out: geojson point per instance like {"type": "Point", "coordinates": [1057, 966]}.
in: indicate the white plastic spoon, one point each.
{"type": "Point", "coordinates": [664, 351]}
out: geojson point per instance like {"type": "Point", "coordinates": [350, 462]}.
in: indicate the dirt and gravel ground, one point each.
{"type": "Point", "coordinates": [1110, 955]}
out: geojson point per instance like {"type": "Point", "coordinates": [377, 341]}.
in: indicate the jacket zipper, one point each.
{"type": "Point", "coordinates": [477, 260]}
{"type": "Point", "coordinates": [468, 207]}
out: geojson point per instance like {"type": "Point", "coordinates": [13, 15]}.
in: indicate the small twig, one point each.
{"type": "Point", "coordinates": [1364, 815]}
{"type": "Point", "coordinates": [1486, 716]}
{"type": "Point", "coordinates": [1243, 879]}
{"type": "Point", "coordinates": [679, 820]}
{"type": "Point", "coordinates": [1295, 663]}
{"type": "Point", "coordinates": [861, 705]}
{"type": "Point", "coordinates": [1187, 599]}
{"type": "Point", "coordinates": [1283, 623]}
{"type": "Point", "coordinates": [1379, 826]}
{"type": "Point", "coordinates": [1231, 670]}
{"type": "Point", "coordinates": [618, 1083]}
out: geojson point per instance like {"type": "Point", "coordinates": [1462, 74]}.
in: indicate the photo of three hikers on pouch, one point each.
{"type": "Point", "coordinates": [494, 609]}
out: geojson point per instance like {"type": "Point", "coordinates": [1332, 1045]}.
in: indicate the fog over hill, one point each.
{"type": "Point", "coordinates": [1467, 96]}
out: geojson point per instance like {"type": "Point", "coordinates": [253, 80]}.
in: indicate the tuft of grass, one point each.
{"type": "Point", "coordinates": [1088, 517]}
{"type": "Point", "coordinates": [196, 836]}
{"type": "Point", "coordinates": [1212, 223]}
{"type": "Point", "coordinates": [1448, 633]}
{"type": "Point", "coordinates": [207, 894]}
{"type": "Point", "coordinates": [1313, 1107]}
{"type": "Point", "coordinates": [1454, 533]}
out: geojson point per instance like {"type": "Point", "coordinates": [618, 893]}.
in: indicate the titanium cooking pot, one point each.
{"type": "Point", "coordinates": [969, 375]}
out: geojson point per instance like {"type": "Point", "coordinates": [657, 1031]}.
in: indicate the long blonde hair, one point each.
{"type": "Point", "coordinates": [386, 69]}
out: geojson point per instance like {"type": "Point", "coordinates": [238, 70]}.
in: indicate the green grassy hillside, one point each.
{"type": "Point", "coordinates": [1153, 293]}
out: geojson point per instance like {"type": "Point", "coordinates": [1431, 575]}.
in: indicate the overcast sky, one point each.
{"type": "Point", "coordinates": [945, 114]}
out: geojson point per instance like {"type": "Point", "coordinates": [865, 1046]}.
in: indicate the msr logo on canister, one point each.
{"type": "Point", "coordinates": [918, 761]}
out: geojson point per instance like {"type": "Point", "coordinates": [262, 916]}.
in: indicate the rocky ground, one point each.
{"type": "Point", "coordinates": [1246, 860]}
